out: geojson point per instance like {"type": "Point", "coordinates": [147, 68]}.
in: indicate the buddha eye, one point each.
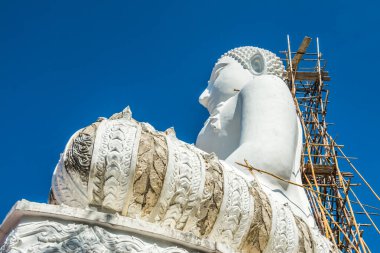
{"type": "Point", "coordinates": [257, 64]}
{"type": "Point", "coordinates": [216, 71]}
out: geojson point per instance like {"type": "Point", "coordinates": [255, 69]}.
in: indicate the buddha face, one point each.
{"type": "Point", "coordinates": [234, 70]}
{"type": "Point", "coordinates": [228, 78]}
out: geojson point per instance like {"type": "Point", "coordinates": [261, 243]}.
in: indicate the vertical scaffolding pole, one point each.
{"type": "Point", "coordinates": [332, 207]}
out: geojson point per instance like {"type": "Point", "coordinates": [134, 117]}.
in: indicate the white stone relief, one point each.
{"type": "Point", "coordinates": [236, 213]}
{"type": "Point", "coordinates": [113, 164]}
{"type": "Point", "coordinates": [284, 233]}
{"type": "Point", "coordinates": [320, 243]}
{"type": "Point", "coordinates": [183, 186]}
{"type": "Point", "coordinates": [49, 236]}
{"type": "Point", "coordinates": [64, 188]}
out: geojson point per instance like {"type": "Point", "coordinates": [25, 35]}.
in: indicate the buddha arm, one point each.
{"type": "Point", "coordinates": [268, 126]}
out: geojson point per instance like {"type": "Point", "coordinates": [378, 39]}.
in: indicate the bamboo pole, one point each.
{"type": "Point", "coordinates": [359, 174]}
{"type": "Point", "coordinates": [338, 226]}
{"type": "Point", "coordinates": [365, 211]}
{"type": "Point", "coordinates": [251, 168]}
{"type": "Point", "coordinates": [307, 146]}
{"type": "Point", "coordinates": [349, 205]}
{"type": "Point", "coordinates": [360, 239]}
{"type": "Point", "coordinates": [328, 188]}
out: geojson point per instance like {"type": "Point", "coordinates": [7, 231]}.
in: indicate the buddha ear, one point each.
{"type": "Point", "coordinates": [257, 64]}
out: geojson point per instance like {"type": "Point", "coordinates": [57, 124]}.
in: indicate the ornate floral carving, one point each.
{"type": "Point", "coordinates": [79, 152]}
{"type": "Point", "coordinates": [320, 243]}
{"type": "Point", "coordinates": [10, 243]}
{"type": "Point", "coordinates": [97, 171]}
{"type": "Point", "coordinates": [47, 236]}
{"type": "Point", "coordinates": [183, 187]}
{"type": "Point", "coordinates": [65, 190]}
{"type": "Point", "coordinates": [70, 177]}
{"type": "Point", "coordinates": [236, 213]}
{"type": "Point", "coordinates": [174, 184]}
{"type": "Point", "coordinates": [113, 164]}
{"type": "Point", "coordinates": [284, 234]}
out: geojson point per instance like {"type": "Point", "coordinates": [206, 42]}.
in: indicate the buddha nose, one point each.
{"type": "Point", "coordinates": [203, 98]}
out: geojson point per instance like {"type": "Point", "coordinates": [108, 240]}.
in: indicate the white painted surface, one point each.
{"type": "Point", "coordinates": [253, 118]}
{"type": "Point", "coordinates": [30, 225]}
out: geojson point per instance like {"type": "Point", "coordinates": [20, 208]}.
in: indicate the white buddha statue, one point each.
{"type": "Point", "coordinates": [253, 118]}
{"type": "Point", "coordinates": [119, 165]}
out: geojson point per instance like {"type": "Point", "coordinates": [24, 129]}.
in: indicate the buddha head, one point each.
{"type": "Point", "coordinates": [234, 70]}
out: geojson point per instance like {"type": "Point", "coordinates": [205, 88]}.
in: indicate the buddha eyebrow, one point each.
{"type": "Point", "coordinates": [220, 65]}
{"type": "Point", "coordinates": [217, 68]}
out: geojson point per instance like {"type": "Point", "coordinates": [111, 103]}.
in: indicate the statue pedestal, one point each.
{"type": "Point", "coordinates": [35, 227]}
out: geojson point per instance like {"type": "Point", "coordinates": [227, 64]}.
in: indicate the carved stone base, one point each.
{"type": "Point", "coordinates": [34, 227]}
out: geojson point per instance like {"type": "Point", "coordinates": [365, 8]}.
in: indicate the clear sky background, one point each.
{"type": "Point", "coordinates": [65, 63]}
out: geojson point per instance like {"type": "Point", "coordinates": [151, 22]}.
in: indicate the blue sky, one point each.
{"type": "Point", "coordinates": [65, 63]}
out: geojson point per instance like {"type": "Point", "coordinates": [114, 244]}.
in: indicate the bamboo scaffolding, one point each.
{"type": "Point", "coordinates": [327, 187]}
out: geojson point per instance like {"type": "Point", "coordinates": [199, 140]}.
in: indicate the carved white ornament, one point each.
{"type": "Point", "coordinates": [183, 188]}
{"type": "Point", "coordinates": [236, 212]}
{"type": "Point", "coordinates": [320, 243]}
{"type": "Point", "coordinates": [113, 164]}
{"type": "Point", "coordinates": [284, 234]}
{"type": "Point", "coordinates": [48, 236]}
{"type": "Point", "coordinates": [65, 190]}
